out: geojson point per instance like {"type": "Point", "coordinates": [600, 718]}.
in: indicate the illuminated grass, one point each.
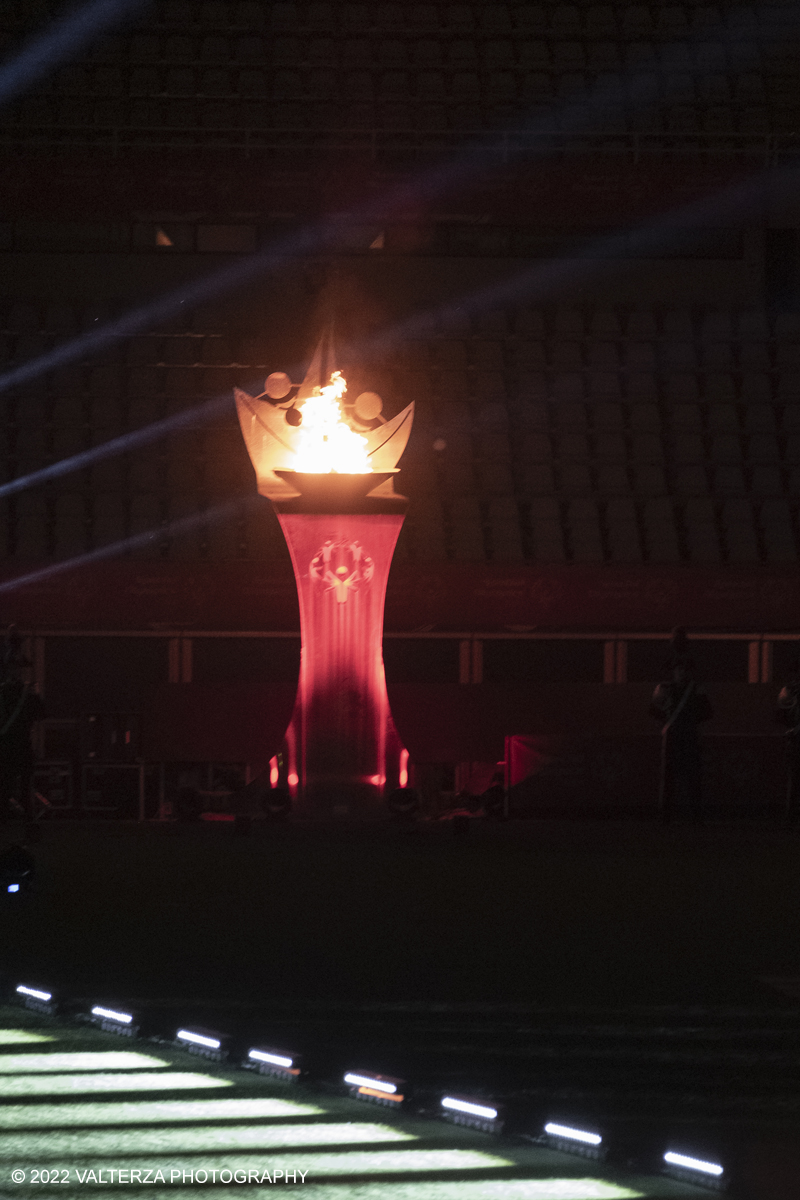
{"type": "Point", "coordinates": [477, 1189]}
{"type": "Point", "coordinates": [369, 1162]}
{"type": "Point", "coordinates": [79, 1060]}
{"type": "Point", "coordinates": [64, 1085]}
{"type": "Point", "coordinates": [16, 1037]}
{"type": "Point", "coordinates": [81, 1143]}
{"type": "Point", "coordinates": [104, 1125]}
{"type": "Point", "coordinates": [149, 1112]}
{"type": "Point", "coordinates": [473, 1189]}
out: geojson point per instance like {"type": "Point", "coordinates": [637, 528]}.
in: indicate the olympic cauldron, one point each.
{"type": "Point", "coordinates": [328, 467]}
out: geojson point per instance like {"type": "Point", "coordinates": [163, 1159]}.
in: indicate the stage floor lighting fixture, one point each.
{"type": "Point", "coordinates": [37, 999]}
{"type": "Point", "coordinates": [278, 1063]}
{"type": "Point", "coordinates": [702, 1172]}
{"type": "Point", "coordinates": [573, 1139]}
{"type": "Point", "coordinates": [376, 1089]}
{"type": "Point", "coordinates": [206, 1043]}
{"type": "Point", "coordinates": [472, 1112]}
{"type": "Point", "coordinates": [115, 1020]}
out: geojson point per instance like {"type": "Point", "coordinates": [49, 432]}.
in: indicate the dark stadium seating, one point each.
{"type": "Point", "coordinates": [571, 434]}
{"type": "Point", "coordinates": [199, 67]}
{"type": "Point", "coordinates": [632, 427]}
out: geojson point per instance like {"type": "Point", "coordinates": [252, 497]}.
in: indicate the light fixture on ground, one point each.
{"type": "Point", "coordinates": [575, 1139]}
{"type": "Point", "coordinates": [472, 1112]}
{"type": "Point", "coordinates": [38, 999]}
{"type": "Point", "coordinates": [329, 474]}
{"type": "Point", "coordinates": [207, 1043]}
{"type": "Point", "coordinates": [697, 1169]}
{"type": "Point", "coordinates": [113, 1019]}
{"type": "Point", "coordinates": [376, 1089]}
{"type": "Point", "coordinates": [269, 1061]}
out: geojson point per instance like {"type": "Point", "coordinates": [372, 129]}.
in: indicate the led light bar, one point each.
{"type": "Point", "coordinates": [37, 999]}
{"type": "Point", "coordinates": [111, 1015]}
{"type": "Point", "coordinates": [576, 1135]}
{"type": "Point", "coordinates": [204, 1042]}
{"type": "Point", "coordinates": [198, 1039]}
{"type": "Point", "coordinates": [698, 1171]}
{"type": "Point", "coordinates": [693, 1164]}
{"type": "Point", "coordinates": [277, 1060]}
{"type": "Point", "coordinates": [13, 887]}
{"type": "Point", "coordinates": [35, 993]}
{"type": "Point", "coordinates": [375, 1089]}
{"type": "Point", "coordinates": [466, 1106]}
{"type": "Point", "coordinates": [572, 1140]}
{"type": "Point", "coordinates": [273, 1062]}
{"type": "Point", "coordinates": [462, 1111]}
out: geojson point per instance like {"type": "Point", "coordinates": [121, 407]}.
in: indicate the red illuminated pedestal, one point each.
{"type": "Point", "coordinates": [343, 751]}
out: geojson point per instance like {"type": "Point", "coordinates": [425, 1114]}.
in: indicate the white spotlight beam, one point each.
{"type": "Point", "coordinates": [172, 528]}
{"type": "Point", "coordinates": [61, 41]}
{"type": "Point", "coordinates": [124, 444]}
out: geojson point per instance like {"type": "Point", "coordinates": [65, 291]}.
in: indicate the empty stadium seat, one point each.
{"type": "Point", "coordinates": [702, 534]}
{"type": "Point", "coordinates": [640, 355]}
{"type": "Point", "coordinates": [583, 524]}
{"type": "Point", "coordinates": [466, 528]}
{"type": "Point", "coordinates": [754, 355]}
{"type": "Point", "coordinates": [766, 480]}
{"type": "Point", "coordinates": [740, 532]}
{"type": "Point", "coordinates": [504, 529]}
{"type": "Point", "coordinates": [568, 389]}
{"type": "Point", "coordinates": [546, 529]}
{"type": "Point", "coordinates": [660, 530]}
{"type": "Point", "coordinates": [31, 529]}
{"type": "Point", "coordinates": [759, 418]}
{"type": "Point", "coordinates": [641, 324]}
{"type": "Point", "coordinates": [681, 391]}
{"type": "Point", "coordinates": [775, 522]}
{"type": "Point", "coordinates": [756, 388]}
{"type": "Point", "coordinates": [70, 525]}
{"type": "Point", "coordinates": [606, 385]}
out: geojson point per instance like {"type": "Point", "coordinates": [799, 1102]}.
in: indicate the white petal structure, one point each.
{"type": "Point", "coordinates": [273, 444]}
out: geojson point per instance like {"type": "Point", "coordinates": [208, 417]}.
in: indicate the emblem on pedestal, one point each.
{"type": "Point", "coordinates": [343, 567]}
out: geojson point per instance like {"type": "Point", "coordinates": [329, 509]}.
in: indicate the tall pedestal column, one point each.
{"type": "Point", "coordinates": [342, 740]}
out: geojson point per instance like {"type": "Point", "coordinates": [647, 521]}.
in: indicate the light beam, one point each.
{"type": "Point", "coordinates": [63, 40]}
{"type": "Point", "coordinates": [171, 528]}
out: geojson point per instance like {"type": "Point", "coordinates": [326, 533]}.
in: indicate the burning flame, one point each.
{"type": "Point", "coordinates": [325, 442]}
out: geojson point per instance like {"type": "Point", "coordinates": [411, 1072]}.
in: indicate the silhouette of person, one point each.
{"type": "Point", "coordinates": [789, 715]}
{"type": "Point", "coordinates": [681, 705]}
{"type": "Point", "coordinates": [20, 708]}
{"type": "Point", "coordinates": [494, 797]}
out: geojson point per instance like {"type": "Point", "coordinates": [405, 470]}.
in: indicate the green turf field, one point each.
{"type": "Point", "coordinates": [84, 1113]}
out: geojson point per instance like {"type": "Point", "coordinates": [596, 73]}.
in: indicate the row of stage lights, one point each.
{"type": "Point", "coordinates": [470, 1111]}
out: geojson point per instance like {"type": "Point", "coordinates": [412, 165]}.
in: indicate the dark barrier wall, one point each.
{"type": "Point", "coordinates": [452, 723]}
{"type": "Point", "coordinates": [443, 596]}
{"type": "Point", "coordinates": [742, 776]}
